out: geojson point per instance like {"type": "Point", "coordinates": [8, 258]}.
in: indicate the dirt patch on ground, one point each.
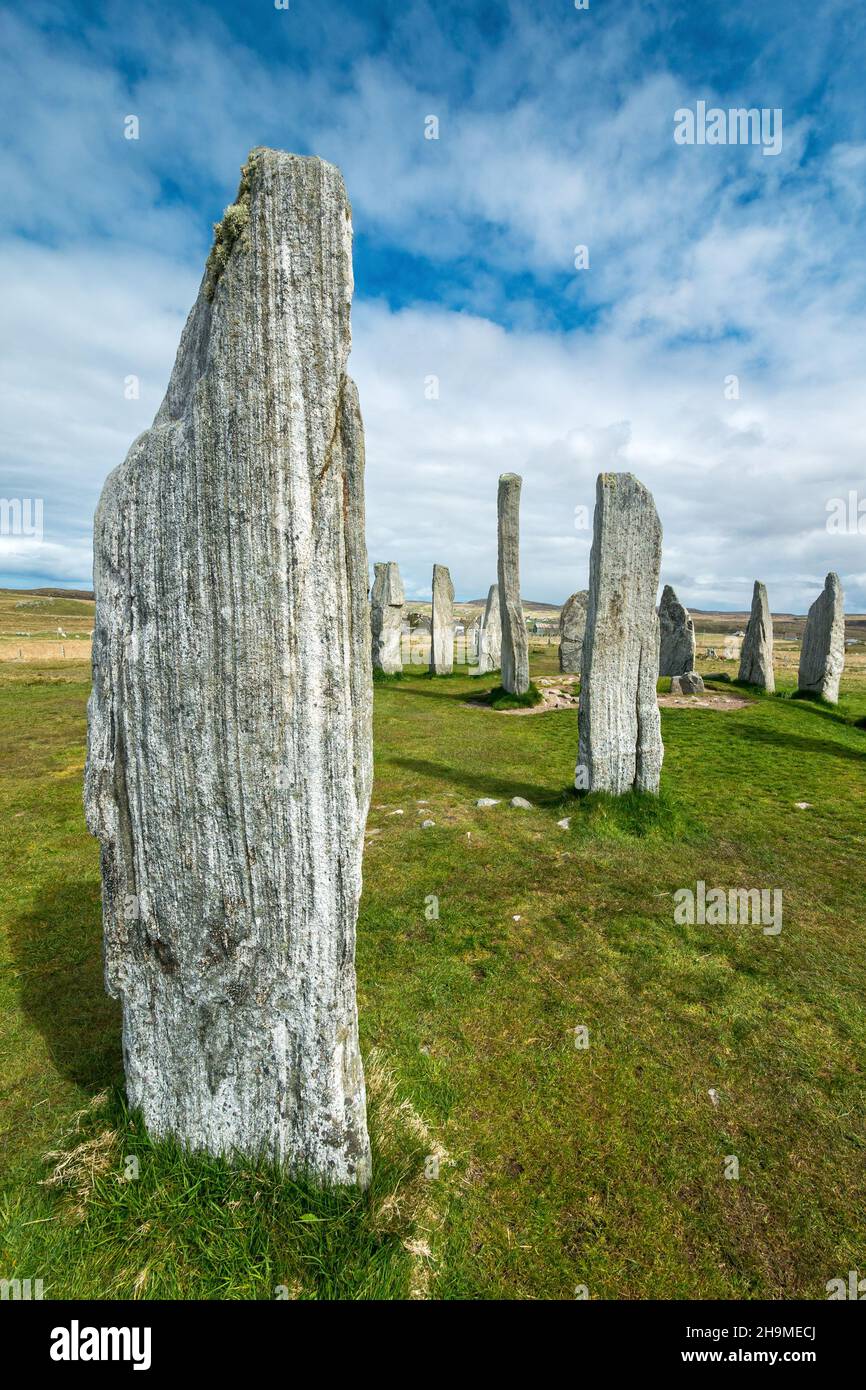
{"type": "Point", "coordinates": [711, 699]}
{"type": "Point", "coordinates": [557, 692]}
{"type": "Point", "coordinates": [561, 692]}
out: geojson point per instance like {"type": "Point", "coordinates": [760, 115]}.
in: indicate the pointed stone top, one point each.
{"type": "Point", "coordinates": [611, 480]}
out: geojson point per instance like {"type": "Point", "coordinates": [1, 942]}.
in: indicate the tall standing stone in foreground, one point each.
{"type": "Point", "coordinates": [386, 617]}
{"type": "Point", "coordinates": [229, 749]}
{"type": "Point", "coordinates": [620, 745]}
{"type": "Point", "coordinates": [490, 635]}
{"type": "Point", "coordinates": [676, 636]}
{"type": "Point", "coordinates": [572, 626]}
{"type": "Point", "coordinates": [822, 655]}
{"type": "Point", "coordinates": [515, 643]}
{"type": "Point", "coordinates": [756, 656]}
{"type": "Point", "coordinates": [442, 624]}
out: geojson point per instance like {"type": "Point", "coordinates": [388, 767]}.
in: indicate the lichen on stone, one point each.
{"type": "Point", "coordinates": [231, 229]}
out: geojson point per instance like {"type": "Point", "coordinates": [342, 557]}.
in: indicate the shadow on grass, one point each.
{"type": "Point", "coordinates": [802, 700]}
{"type": "Point", "coordinates": [795, 743]}
{"type": "Point", "coordinates": [632, 816]}
{"type": "Point", "coordinates": [57, 949]}
{"type": "Point", "coordinates": [438, 690]}
{"type": "Point", "coordinates": [484, 783]}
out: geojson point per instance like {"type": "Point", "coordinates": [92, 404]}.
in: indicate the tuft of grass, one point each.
{"type": "Point", "coordinates": [122, 1216]}
{"type": "Point", "coordinates": [384, 678]}
{"type": "Point", "coordinates": [500, 698]}
{"type": "Point", "coordinates": [637, 815]}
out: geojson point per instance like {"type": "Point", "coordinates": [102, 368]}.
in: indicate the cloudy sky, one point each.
{"type": "Point", "coordinates": [556, 126]}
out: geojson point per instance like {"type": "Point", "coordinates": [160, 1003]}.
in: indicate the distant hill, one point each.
{"type": "Point", "coordinates": [741, 617]}
{"type": "Point", "coordinates": [527, 603]}
{"type": "Point", "coordinates": [87, 594]}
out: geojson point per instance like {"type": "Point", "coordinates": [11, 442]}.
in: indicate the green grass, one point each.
{"type": "Point", "coordinates": [600, 1166]}
{"type": "Point", "coordinates": [501, 699]}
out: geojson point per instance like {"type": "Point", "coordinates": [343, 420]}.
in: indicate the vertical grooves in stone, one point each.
{"type": "Point", "coordinates": [572, 626]}
{"type": "Point", "coordinates": [515, 643]}
{"type": "Point", "coordinates": [232, 654]}
{"type": "Point", "coordinates": [620, 744]}
{"type": "Point", "coordinates": [490, 634]}
{"type": "Point", "coordinates": [676, 636]}
{"type": "Point", "coordinates": [756, 656]}
{"type": "Point", "coordinates": [442, 623]}
{"type": "Point", "coordinates": [822, 654]}
{"type": "Point", "coordinates": [386, 616]}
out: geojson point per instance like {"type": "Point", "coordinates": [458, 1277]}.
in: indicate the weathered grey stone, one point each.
{"type": "Point", "coordinates": [229, 749]}
{"type": "Point", "coordinates": [386, 617]}
{"type": "Point", "coordinates": [515, 643]}
{"type": "Point", "coordinates": [490, 635]}
{"type": "Point", "coordinates": [822, 655]}
{"type": "Point", "coordinates": [572, 625]}
{"type": "Point", "coordinates": [487, 801]}
{"type": "Point", "coordinates": [520, 803]}
{"type": "Point", "coordinates": [756, 657]}
{"type": "Point", "coordinates": [442, 636]}
{"type": "Point", "coordinates": [620, 745]}
{"type": "Point", "coordinates": [689, 683]}
{"type": "Point", "coordinates": [676, 636]}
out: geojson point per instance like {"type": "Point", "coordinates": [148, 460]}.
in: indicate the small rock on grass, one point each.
{"type": "Point", "coordinates": [689, 683]}
{"type": "Point", "coordinates": [487, 801]}
{"type": "Point", "coordinates": [521, 803]}
{"type": "Point", "coordinates": [564, 823]}
{"type": "Point", "coordinates": [427, 824]}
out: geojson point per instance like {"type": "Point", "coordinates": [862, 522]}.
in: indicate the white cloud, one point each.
{"type": "Point", "coordinates": [704, 262]}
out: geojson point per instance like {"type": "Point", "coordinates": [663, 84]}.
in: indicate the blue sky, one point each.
{"type": "Point", "coordinates": [555, 130]}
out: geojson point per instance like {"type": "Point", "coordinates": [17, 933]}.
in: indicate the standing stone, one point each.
{"type": "Point", "coordinates": [442, 625]}
{"type": "Point", "coordinates": [490, 635]}
{"type": "Point", "coordinates": [515, 643]}
{"type": "Point", "coordinates": [386, 618]}
{"type": "Point", "coordinates": [756, 657]}
{"type": "Point", "coordinates": [229, 748]}
{"type": "Point", "coordinates": [572, 625]}
{"type": "Point", "coordinates": [732, 649]}
{"type": "Point", "coordinates": [620, 745]}
{"type": "Point", "coordinates": [676, 636]}
{"type": "Point", "coordinates": [822, 656]}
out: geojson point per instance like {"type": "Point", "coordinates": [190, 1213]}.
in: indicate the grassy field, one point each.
{"type": "Point", "coordinates": [510, 1162]}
